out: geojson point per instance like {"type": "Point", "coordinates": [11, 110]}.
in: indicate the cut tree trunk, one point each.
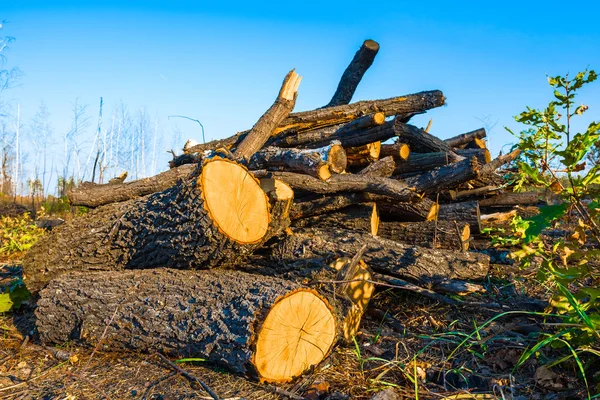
{"type": "Point", "coordinates": [307, 120]}
{"type": "Point", "coordinates": [464, 194]}
{"type": "Point", "coordinates": [511, 199]}
{"type": "Point", "coordinates": [462, 139]}
{"type": "Point", "coordinates": [346, 183]}
{"type": "Point", "coordinates": [483, 155]}
{"type": "Point", "coordinates": [262, 327]}
{"type": "Point", "coordinates": [94, 195]}
{"type": "Point", "coordinates": [275, 158]}
{"type": "Point", "coordinates": [401, 151]}
{"type": "Point", "coordinates": [218, 217]}
{"type": "Point", "coordinates": [419, 140]}
{"type": "Point", "coordinates": [438, 235]}
{"type": "Point", "coordinates": [476, 143]}
{"type": "Point", "coordinates": [423, 210]}
{"type": "Point", "coordinates": [354, 72]}
{"type": "Point", "coordinates": [363, 155]}
{"type": "Point", "coordinates": [328, 133]}
{"type": "Point", "coordinates": [382, 255]}
{"type": "Point", "coordinates": [465, 212]}
{"type": "Point", "coordinates": [356, 138]}
{"type": "Point", "coordinates": [363, 217]}
{"type": "Point", "coordinates": [383, 168]}
{"type": "Point", "coordinates": [445, 177]}
{"type": "Point", "coordinates": [421, 162]}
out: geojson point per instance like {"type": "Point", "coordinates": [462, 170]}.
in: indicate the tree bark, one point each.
{"type": "Point", "coordinates": [419, 140]}
{"type": "Point", "coordinates": [354, 72]}
{"type": "Point", "coordinates": [219, 216]}
{"type": "Point", "coordinates": [445, 177]}
{"type": "Point", "coordinates": [294, 160]}
{"type": "Point", "coordinates": [462, 139]}
{"type": "Point", "coordinates": [307, 120]}
{"type": "Point", "coordinates": [363, 217]}
{"type": "Point", "coordinates": [401, 151]}
{"type": "Point", "coordinates": [432, 234]}
{"type": "Point", "coordinates": [363, 155]}
{"type": "Point", "coordinates": [271, 119]}
{"type": "Point", "coordinates": [483, 155]}
{"type": "Point", "coordinates": [383, 168]}
{"type": "Point", "coordinates": [94, 195]}
{"type": "Point", "coordinates": [510, 199]}
{"type": "Point", "coordinates": [465, 212]}
{"type": "Point", "coordinates": [348, 183]}
{"type": "Point", "coordinates": [383, 255]}
{"type": "Point", "coordinates": [230, 318]}
{"type": "Point", "coordinates": [421, 162]}
{"type": "Point", "coordinates": [423, 210]}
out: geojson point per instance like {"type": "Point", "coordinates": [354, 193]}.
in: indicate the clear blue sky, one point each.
{"type": "Point", "coordinates": [224, 64]}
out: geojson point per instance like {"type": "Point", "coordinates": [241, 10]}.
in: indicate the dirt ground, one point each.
{"type": "Point", "coordinates": [402, 336]}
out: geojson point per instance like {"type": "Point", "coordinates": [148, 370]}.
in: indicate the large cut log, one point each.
{"type": "Point", "coordinates": [445, 177]}
{"type": "Point", "coordinates": [271, 119]}
{"type": "Point", "coordinates": [354, 72]}
{"type": "Point", "coordinates": [93, 195]}
{"type": "Point", "coordinates": [262, 327]}
{"type": "Point", "coordinates": [346, 183]}
{"type": "Point", "coordinates": [483, 155]}
{"type": "Point", "coordinates": [217, 216]}
{"type": "Point", "coordinates": [423, 210]}
{"type": "Point", "coordinates": [508, 199]}
{"type": "Point", "coordinates": [401, 151]}
{"type": "Point", "coordinates": [434, 234]}
{"type": "Point", "coordinates": [419, 140]}
{"type": "Point", "coordinates": [421, 162]}
{"type": "Point", "coordinates": [383, 255]}
{"type": "Point", "coordinates": [465, 212]}
{"type": "Point", "coordinates": [363, 155]}
{"type": "Point", "coordinates": [464, 194]}
{"type": "Point", "coordinates": [275, 158]}
{"type": "Point", "coordinates": [464, 138]}
{"type": "Point", "coordinates": [322, 135]}
{"type": "Point", "coordinates": [362, 217]}
{"type": "Point", "coordinates": [307, 120]}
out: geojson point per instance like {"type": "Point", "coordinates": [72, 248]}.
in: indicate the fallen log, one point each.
{"type": "Point", "coordinates": [382, 255]}
{"type": "Point", "coordinates": [363, 217]}
{"type": "Point", "coordinates": [218, 217]}
{"type": "Point", "coordinates": [419, 140]}
{"type": "Point", "coordinates": [401, 151]}
{"type": "Point", "coordinates": [434, 234]}
{"type": "Point", "coordinates": [363, 155]}
{"type": "Point", "coordinates": [307, 120]}
{"type": "Point", "coordinates": [464, 212]}
{"type": "Point", "coordinates": [423, 210]}
{"type": "Point", "coordinates": [346, 183]}
{"type": "Point", "coordinates": [354, 72]}
{"type": "Point", "coordinates": [328, 133]}
{"type": "Point", "coordinates": [421, 162]}
{"type": "Point", "coordinates": [510, 199]}
{"type": "Point", "coordinates": [464, 194]}
{"type": "Point", "coordinates": [383, 168]}
{"type": "Point", "coordinates": [262, 327]}
{"type": "Point", "coordinates": [483, 155]}
{"type": "Point", "coordinates": [446, 177]}
{"type": "Point", "coordinates": [476, 143]}
{"type": "Point", "coordinates": [94, 195]}
{"type": "Point", "coordinates": [294, 160]}
{"type": "Point", "coordinates": [462, 139]}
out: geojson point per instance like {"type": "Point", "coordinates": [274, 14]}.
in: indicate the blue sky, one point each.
{"type": "Point", "coordinates": [223, 64]}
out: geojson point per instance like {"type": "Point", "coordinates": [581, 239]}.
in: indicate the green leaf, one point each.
{"type": "Point", "coordinates": [543, 220]}
{"type": "Point", "coordinates": [13, 299]}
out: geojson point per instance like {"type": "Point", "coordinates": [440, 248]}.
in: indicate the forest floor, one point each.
{"type": "Point", "coordinates": [448, 348]}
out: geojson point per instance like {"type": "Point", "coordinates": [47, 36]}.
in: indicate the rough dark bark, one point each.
{"type": "Point", "coordinates": [421, 162]}
{"type": "Point", "coordinates": [383, 255]}
{"type": "Point", "coordinates": [442, 235]}
{"type": "Point", "coordinates": [423, 210]}
{"type": "Point", "coordinates": [94, 195]}
{"type": "Point", "coordinates": [476, 143]}
{"type": "Point", "coordinates": [445, 177]}
{"type": "Point", "coordinates": [307, 120]}
{"type": "Point", "coordinates": [271, 119]}
{"type": "Point", "coordinates": [419, 140]}
{"type": "Point", "coordinates": [465, 194]}
{"type": "Point", "coordinates": [400, 151]}
{"type": "Point", "coordinates": [465, 212]}
{"type": "Point", "coordinates": [510, 199]}
{"type": "Point", "coordinates": [356, 218]}
{"type": "Point", "coordinates": [483, 155]}
{"type": "Point", "coordinates": [354, 72]}
{"type": "Point", "coordinates": [348, 183]}
{"type": "Point", "coordinates": [314, 137]}
{"type": "Point", "coordinates": [294, 160]}
{"type": "Point", "coordinates": [363, 155]}
{"type": "Point", "coordinates": [171, 228]}
{"type": "Point", "coordinates": [383, 168]}
{"type": "Point", "coordinates": [213, 315]}
{"type": "Point", "coordinates": [464, 138]}
{"type": "Point", "coordinates": [326, 204]}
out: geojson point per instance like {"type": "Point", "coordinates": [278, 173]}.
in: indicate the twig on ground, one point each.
{"type": "Point", "coordinates": [282, 392]}
{"type": "Point", "coordinates": [188, 376]}
{"type": "Point", "coordinates": [101, 339]}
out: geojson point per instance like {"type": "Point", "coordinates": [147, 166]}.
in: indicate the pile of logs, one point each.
{"type": "Point", "coordinates": [260, 252]}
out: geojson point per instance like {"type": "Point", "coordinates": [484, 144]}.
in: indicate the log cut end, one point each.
{"type": "Point", "coordinates": [371, 45]}
{"type": "Point", "coordinates": [403, 151]}
{"type": "Point", "coordinates": [297, 333]}
{"type": "Point", "coordinates": [323, 172]}
{"type": "Point", "coordinates": [374, 220]}
{"type": "Point", "coordinates": [378, 118]}
{"type": "Point", "coordinates": [336, 158]}
{"type": "Point", "coordinates": [433, 212]}
{"type": "Point", "coordinates": [234, 201]}
{"type": "Point", "coordinates": [465, 235]}
{"type": "Point", "coordinates": [363, 155]}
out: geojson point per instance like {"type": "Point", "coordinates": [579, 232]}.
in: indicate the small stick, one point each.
{"type": "Point", "coordinates": [428, 125]}
{"type": "Point", "coordinates": [101, 339]}
{"type": "Point", "coordinates": [188, 376]}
